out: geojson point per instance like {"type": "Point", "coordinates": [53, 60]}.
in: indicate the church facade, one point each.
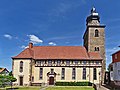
{"type": "Point", "coordinates": [49, 64]}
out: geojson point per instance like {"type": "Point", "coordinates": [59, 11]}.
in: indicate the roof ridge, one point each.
{"type": "Point", "coordinates": [58, 46]}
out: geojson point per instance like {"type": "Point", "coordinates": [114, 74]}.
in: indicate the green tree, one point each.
{"type": "Point", "coordinates": [2, 81]}
{"type": "Point", "coordinates": [10, 73]}
{"type": "Point", "coordinates": [11, 79]}
{"type": "Point", "coordinates": [6, 79]}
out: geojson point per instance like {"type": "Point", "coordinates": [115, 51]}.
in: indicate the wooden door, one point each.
{"type": "Point", "coordinates": [51, 81]}
{"type": "Point", "coordinates": [21, 81]}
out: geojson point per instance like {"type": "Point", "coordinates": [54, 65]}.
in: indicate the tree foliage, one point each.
{"type": "Point", "coordinates": [6, 79]}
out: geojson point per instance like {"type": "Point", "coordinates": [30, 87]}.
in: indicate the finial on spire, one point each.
{"type": "Point", "coordinates": [93, 10]}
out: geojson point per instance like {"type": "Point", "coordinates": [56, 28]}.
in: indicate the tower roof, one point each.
{"type": "Point", "coordinates": [93, 16]}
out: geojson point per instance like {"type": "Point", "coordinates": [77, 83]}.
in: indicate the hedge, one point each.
{"type": "Point", "coordinates": [73, 84]}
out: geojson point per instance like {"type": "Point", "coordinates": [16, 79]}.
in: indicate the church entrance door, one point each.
{"type": "Point", "coordinates": [51, 80]}
{"type": "Point", "coordinates": [21, 80]}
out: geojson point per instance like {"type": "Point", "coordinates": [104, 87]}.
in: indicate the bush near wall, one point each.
{"type": "Point", "coordinates": [73, 84]}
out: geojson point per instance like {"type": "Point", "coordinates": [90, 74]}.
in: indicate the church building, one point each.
{"type": "Point", "coordinates": [50, 64]}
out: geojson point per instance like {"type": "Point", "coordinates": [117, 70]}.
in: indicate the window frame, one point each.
{"type": "Point", "coordinates": [94, 74]}
{"type": "Point", "coordinates": [73, 73]}
{"type": "Point", "coordinates": [41, 74]}
{"type": "Point", "coordinates": [84, 74]}
{"type": "Point", "coordinates": [96, 33]}
{"type": "Point", "coordinates": [21, 67]}
{"type": "Point", "coordinates": [97, 48]}
{"type": "Point", "coordinates": [63, 74]}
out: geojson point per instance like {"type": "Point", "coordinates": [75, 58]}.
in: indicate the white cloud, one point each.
{"type": "Point", "coordinates": [34, 39]}
{"type": "Point", "coordinates": [24, 47]}
{"type": "Point", "coordinates": [52, 43]}
{"type": "Point", "coordinates": [8, 36]}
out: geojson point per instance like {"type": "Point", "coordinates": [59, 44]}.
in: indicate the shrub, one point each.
{"type": "Point", "coordinates": [73, 84]}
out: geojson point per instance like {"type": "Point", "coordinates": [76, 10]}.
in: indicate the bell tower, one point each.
{"type": "Point", "coordinates": [94, 37]}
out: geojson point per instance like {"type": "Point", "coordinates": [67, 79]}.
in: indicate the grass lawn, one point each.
{"type": "Point", "coordinates": [70, 88]}
{"type": "Point", "coordinates": [28, 88]}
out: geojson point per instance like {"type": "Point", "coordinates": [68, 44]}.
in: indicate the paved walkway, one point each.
{"type": "Point", "coordinates": [102, 88]}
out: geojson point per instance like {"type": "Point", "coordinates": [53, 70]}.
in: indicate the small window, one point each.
{"type": "Point", "coordinates": [21, 66]}
{"type": "Point", "coordinates": [84, 62]}
{"type": "Point", "coordinates": [42, 62]}
{"type": "Point", "coordinates": [52, 71]}
{"type": "Point", "coordinates": [92, 62]}
{"type": "Point", "coordinates": [97, 49]}
{"type": "Point", "coordinates": [67, 62]}
{"type": "Point", "coordinates": [96, 33]}
{"type": "Point", "coordinates": [58, 62]}
{"type": "Point", "coordinates": [76, 62]}
{"type": "Point", "coordinates": [97, 62]}
{"type": "Point", "coordinates": [50, 62]}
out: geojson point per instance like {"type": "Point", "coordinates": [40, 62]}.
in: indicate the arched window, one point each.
{"type": "Point", "coordinates": [73, 73]}
{"type": "Point", "coordinates": [84, 73]}
{"type": "Point", "coordinates": [97, 49]}
{"type": "Point", "coordinates": [96, 33]}
{"type": "Point", "coordinates": [63, 74]}
{"type": "Point", "coordinates": [21, 66]}
{"type": "Point", "coordinates": [41, 73]}
{"type": "Point", "coordinates": [94, 74]}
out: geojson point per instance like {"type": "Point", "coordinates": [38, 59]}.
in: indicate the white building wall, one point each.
{"type": "Point", "coordinates": [116, 71]}
{"type": "Point", "coordinates": [57, 70]}
{"type": "Point", "coordinates": [68, 74]}
{"type": "Point", "coordinates": [25, 73]}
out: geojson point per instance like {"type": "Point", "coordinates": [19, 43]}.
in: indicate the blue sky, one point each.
{"type": "Point", "coordinates": [53, 22]}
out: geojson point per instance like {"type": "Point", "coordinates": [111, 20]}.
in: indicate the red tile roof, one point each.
{"type": "Point", "coordinates": [57, 52]}
{"type": "Point", "coordinates": [3, 69]}
{"type": "Point", "coordinates": [27, 53]}
{"type": "Point", "coordinates": [94, 55]}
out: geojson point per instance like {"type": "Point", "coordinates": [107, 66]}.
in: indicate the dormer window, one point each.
{"type": "Point", "coordinates": [96, 33]}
